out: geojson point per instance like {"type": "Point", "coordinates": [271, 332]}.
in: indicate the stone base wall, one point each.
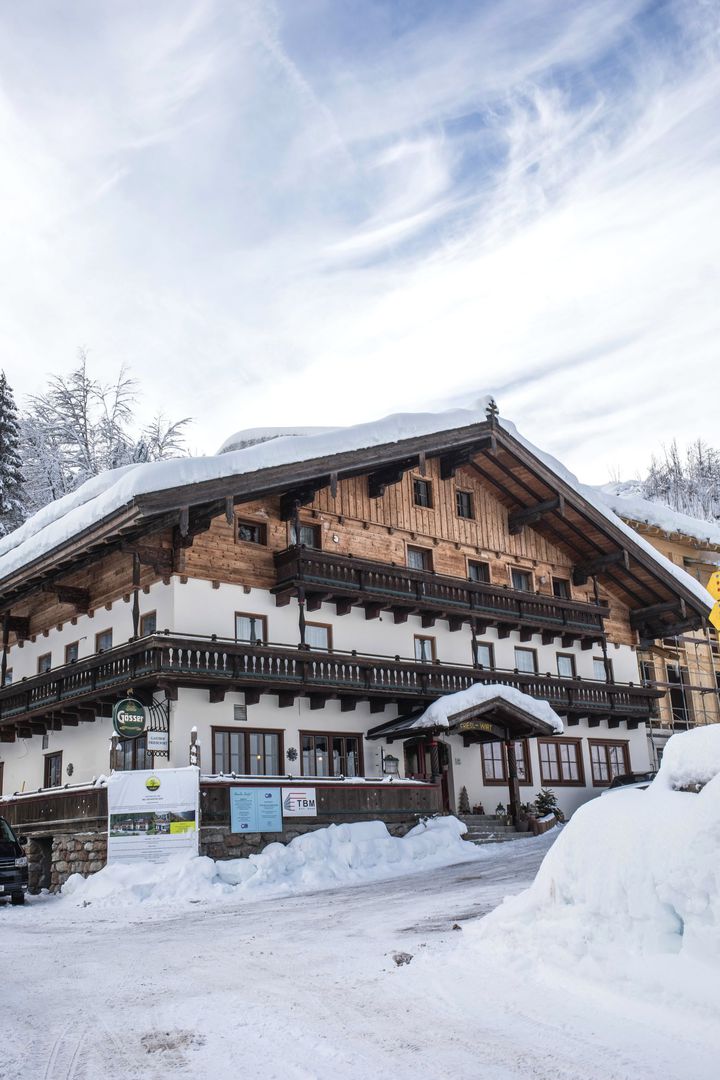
{"type": "Point", "coordinates": [52, 859]}
{"type": "Point", "coordinates": [219, 843]}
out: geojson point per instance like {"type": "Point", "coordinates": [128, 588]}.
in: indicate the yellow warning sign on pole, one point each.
{"type": "Point", "coordinates": [713, 585]}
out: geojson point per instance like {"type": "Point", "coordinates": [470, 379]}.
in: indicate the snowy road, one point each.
{"type": "Point", "coordinates": [306, 987]}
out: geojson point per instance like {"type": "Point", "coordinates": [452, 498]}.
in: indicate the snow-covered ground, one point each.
{"type": "Point", "coordinates": [305, 986]}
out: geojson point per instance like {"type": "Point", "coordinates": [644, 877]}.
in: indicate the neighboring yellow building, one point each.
{"type": "Point", "coordinates": [687, 667]}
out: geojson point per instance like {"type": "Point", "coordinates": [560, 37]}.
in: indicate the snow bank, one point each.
{"type": "Point", "coordinates": [634, 874]}
{"type": "Point", "coordinates": [338, 855]}
{"type": "Point", "coordinates": [438, 714]}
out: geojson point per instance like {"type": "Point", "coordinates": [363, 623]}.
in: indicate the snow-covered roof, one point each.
{"type": "Point", "coordinates": [439, 713]}
{"type": "Point", "coordinates": [111, 492]}
{"type": "Point", "coordinates": [624, 499]}
{"type": "Point", "coordinates": [252, 436]}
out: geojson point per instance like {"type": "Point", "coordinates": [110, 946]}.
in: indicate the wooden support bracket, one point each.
{"type": "Point", "coordinates": [529, 515]}
{"type": "Point", "coordinates": [596, 566]}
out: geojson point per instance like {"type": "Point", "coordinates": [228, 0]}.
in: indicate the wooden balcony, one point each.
{"type": "Point", "coordinates": [346, 581]}
{"type": "Point", "coordinates": [76, 693]}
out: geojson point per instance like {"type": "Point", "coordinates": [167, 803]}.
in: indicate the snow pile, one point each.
{"type": "Point", "coordinates": [635, 873]}
{"type": "Point", "coordinates": [438, 714]}
{"type": "Point", "coordinates": [337, 855]}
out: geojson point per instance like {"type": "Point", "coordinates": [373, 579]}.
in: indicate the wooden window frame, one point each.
{"type": "Point", "coordinates": [525, 649]}
{"type": "Point", "coordinates": [317, 532]}
{"type": "Point", "coordinates": [521, 570]}
{"type": "Point", "coordinates": [433, 648]}
{"type": "Point", "coordinates": [427, 554]}
{"type": "Point", "coordinates": [71, 645]}
{"type": "Point", "coordinates": [430, 505]}
{"type": "Point", "coordinates": [566, 582]}
{"type": "Point", "coordinates": [624, 745]}
{"type": "Point", "coordinates": [250, 615]}
{"type": "Point", "coordinates": [527, 782]}
{"type": "Point", "coordinates": [601, 660]}
{"type": "Point", "coordinates": [461, 493]}
{"type": "Point", "coordinates": [133, 745]}
{"type": "Point", "coordinates": [100, 634]}
{"type": "Point", "coordinates": [330, 735]}
{"type": "Point", "coordinates": [45, 656]}
{"type": "Point", "coordinates": [488, 645]}
{"type": "Point", "coordinates": [261, 526]}
{"type": "Point", "coordinates": [245, 734]}
{"type": "Point", "coordinates": [566, 656]}
{"type": "Point", "coordinates": [57, 755]}
{"type": "Point", "coordinates": [325, 626]}
{"type": "Point", "coordinates": [556, 741]}
{"type": "Point", "coordinates": [143, 632]}
{"type": "Point", "coordinates": [479, 562]}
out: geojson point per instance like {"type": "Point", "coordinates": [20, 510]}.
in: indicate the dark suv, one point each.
{"type": "Point", "coordinates": [13, 865]}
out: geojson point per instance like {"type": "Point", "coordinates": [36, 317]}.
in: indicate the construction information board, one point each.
{"type": "Point", "coordinates": [153, 814]}
{"type": "Point", "coordinates": [255, 810]}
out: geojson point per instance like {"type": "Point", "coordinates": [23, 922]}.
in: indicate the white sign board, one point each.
{"type": "Point", "coordinates": [153, 815]}
{"type": "Point", "coordinates": [156, 742]}
{"type": "Point", "coordinates": [299, 802]}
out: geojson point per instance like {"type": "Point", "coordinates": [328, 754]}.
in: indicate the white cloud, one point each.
{"type": "Point", "coordinates": [303, 213]}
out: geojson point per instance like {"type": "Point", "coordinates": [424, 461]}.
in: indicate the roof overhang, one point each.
{"type": "Point", "coordinates": [493, 720]}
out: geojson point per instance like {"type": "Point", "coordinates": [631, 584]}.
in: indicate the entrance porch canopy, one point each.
{"type": "Point", "coordinates": [484, 712]}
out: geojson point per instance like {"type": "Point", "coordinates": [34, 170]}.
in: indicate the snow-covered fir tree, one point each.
{"type": "Point", "coordinates": [689, 483]}
{"type": "Point", "coordinates": [12, 510]}
{"type": "Point", "coordinates": [80, 427]}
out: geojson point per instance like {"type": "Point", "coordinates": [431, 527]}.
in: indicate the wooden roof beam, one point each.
{"type": "Point", "coordinates": [450, 463]}
{"type": "Point", "coordinates": [391, 474]}
{"type": "Point", "coordinates": [69, 594]}
{"type": "Point", "coordinates": [647, 616]}
{"type": "Point", "coordinates": [17, 624]}
{"type": "Point", "coordinates": [596, 566]}
{"type": "Point", "coordinates": [296, 497]}
{"type": "Point", "coordinates": [529, 515]}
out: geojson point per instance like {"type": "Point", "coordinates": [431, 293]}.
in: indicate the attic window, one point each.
{"type": "Point", "coordinates": [251, 532]}
{"type": "Point", "coordinates": [422, 493]}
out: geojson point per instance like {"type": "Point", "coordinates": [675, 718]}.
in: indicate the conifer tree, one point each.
{"type": "Point", "coordinates": [11, 478]}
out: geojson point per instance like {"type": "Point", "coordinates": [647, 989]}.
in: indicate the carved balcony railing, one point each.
{"type": "Point", "coordinates": [347, 581]}
{"type": "Point", "coordinates": [73, 693]}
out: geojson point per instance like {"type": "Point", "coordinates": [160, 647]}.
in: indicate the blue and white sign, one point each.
{"type": "Point", "coordinates": [255, 810]}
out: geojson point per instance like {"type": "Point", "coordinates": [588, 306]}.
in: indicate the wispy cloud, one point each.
{"type": "Point", "coordinates": [326, 211]}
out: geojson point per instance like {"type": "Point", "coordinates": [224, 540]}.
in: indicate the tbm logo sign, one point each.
{"type": "Point", "coordinates": [298, 800]}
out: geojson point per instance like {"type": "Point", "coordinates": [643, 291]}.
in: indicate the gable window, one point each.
{"type": "Point", "coordinates": [526, 660]}
{"type": "Point", "coordinates": [318, 636]}
{"type": "Point", "coordinates": [419, 558]}
{"type": "Point", "coordinates": [484, 654]}
{"type": "Point", "coordinates": [561, 588]}
{"type": "Point", "coordinates": [103, 641]}
{"type": "Point", "coordinates": [464, 504]}
{"type": "Point", "coordinates": [44, 663]}
{"type": "Point", "coordinates": [306, 536]}
{"type": "Point", "coordinates": [599, 671]}
{"type": "Point", "coordinates": [565, 666]}
{"type": "Point", "coordinates": [251, 532]}
{"type": "Point", "coordinates": [148, 623]}
{"type": "Point", "coordinates": [424, 649]}
{"type": "Point", "coordinates": [250, 753]}
{"type": "Point", "coordinates": [478, 571]}
{"type": "Point", "coordinates": [521, 579]}
{"type": "Point", "coordinates": [422, 493]}
{"type": "Point", "coordinates": [72, 651]}
{"type": "Point", "coordinates": [608, 760]}
{"type": "Point", "coordinates": [561, 762]}
{"type": "Point", "coordinates": [494, 762]}
{"type": "Point", "coordinates": [53, 770]}
{"type": "Point", "coordinates": [330, 754]}
{"type": "Point", "coordinates": [252, 628]}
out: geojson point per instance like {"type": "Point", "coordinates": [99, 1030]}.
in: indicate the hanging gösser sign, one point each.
{"type": "Point", "coordinates": [129, 718]}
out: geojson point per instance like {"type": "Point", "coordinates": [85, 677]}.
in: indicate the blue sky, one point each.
{"type": "Point", "coordinates": [321, 211]}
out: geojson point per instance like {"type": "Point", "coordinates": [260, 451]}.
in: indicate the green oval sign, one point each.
{"type": "Point", "coordinates": [129, 718]}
